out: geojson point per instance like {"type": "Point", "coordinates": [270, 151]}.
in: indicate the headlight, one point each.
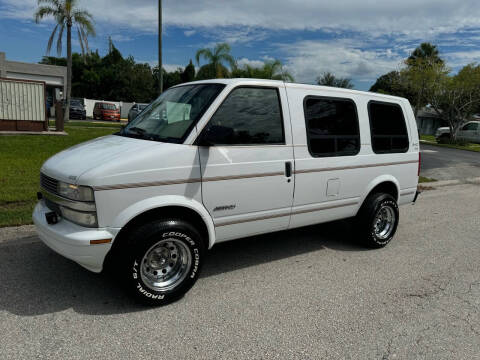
{"type": "Point", "coordinates": [75, 192]}
{"type": "Point", "coordinates": [87, 219]}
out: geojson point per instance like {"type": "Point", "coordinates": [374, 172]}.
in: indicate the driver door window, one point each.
{"type": "Point", "coordinates": [249, 116]}
{"type": "Point", "coordinates": [243, 160]}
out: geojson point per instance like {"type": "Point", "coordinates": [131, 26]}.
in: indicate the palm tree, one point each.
{"type": "Point", "coordinates": [216, 58]}
{"type": "Point", "coordinates": [328, 79]}
{"type": "Point", "coordinates": [270, 70]}
{"type": "Point", "coordinates": [274, 70]}
{"type": "Point", "coordinates": [66, 15]}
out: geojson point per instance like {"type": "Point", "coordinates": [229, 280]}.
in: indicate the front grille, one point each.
{"type": "Point", "coordinates": [49, 184]}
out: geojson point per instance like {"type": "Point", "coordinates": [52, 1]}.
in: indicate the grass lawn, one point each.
{"type": "Point", "coordinates": [20, 160]}
{"type": "Point", "coordinates": [469, 147]}
{"type": "Point", "coordinates": [424, 179]}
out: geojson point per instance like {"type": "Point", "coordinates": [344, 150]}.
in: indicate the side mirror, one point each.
{"type": "Point", "coordinates": [215, 135]}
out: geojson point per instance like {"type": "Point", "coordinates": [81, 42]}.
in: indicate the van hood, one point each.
{"type": "Point", "coordinates": [70, 164]}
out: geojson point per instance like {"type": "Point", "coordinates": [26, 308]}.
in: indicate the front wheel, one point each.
{"type": "Point", "coordinates": [163, 260]}
{"type": "Point", "coordinates": [377, 220]}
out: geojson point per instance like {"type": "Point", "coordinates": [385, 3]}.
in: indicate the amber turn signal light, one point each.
{"type": "Point", "coordinates": [103, 241]}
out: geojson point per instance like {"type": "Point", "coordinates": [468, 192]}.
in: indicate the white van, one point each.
{"type": "Point", "coordinates": [218, 160]}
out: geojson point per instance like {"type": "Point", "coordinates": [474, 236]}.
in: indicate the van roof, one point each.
{"type": "Point", "coordinates": [292, 85]}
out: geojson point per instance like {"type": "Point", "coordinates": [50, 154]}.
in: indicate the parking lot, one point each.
{"type": "Point", "coordinates": [308, 294]}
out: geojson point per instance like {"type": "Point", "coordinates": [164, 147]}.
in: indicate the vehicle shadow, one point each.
{"type": "Point", "coordinates": [260, 249]}
{"type": "Point", "coordinates": [37, 281]}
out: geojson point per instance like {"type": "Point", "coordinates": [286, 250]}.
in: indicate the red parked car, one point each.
{"type": "Point", "coordinates": [106, 111]}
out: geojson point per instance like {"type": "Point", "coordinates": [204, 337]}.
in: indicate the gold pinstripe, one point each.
{"type": "Point", "coordinates": [237, 177]}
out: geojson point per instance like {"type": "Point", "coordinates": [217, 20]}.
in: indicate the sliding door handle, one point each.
{"type": "Point", "coordinates": [288, 169]}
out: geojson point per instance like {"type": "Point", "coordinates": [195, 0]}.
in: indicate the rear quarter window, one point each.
{"type": "Point", "coordinates": [388, 128]}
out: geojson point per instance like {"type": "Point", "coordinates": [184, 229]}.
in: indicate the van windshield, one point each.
{"type": "Point", "coordinates": [109, 107]}
{"type": "Point", "coordinates": [171, 117]}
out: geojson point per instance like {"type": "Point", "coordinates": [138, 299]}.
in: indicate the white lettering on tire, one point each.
{"type": "Point", "coordinates": [148, 294]}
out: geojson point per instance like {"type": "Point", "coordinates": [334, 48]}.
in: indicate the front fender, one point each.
{"type": "Point", "coordinates": [138, 208]}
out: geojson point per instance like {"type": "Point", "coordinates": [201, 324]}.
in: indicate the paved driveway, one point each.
{"type": "Point", "coordinates": [304, 294]}
{"type": "Point", "coordinates": [449, 164]}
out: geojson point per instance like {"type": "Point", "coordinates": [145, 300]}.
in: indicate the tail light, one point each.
{"type": "Point", "coordinates": [419, 162]}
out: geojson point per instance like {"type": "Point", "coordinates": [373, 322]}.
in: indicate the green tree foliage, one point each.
{"type": "Point", "coordinates": [426, 51]}
{"type": "Point", "coordinates": [189, 73]}
{"type": "Point", "coordinates": [270, 70]}
{"type": "Point", "coordinates": [217, 59]}
{"type": "Point", "coordinates": [67, 15]}
{"type": "Point", "coordinates": [114, 77]}
{"type": "Point", "coordinates": [426, 81]}
{"type": "Point", "coordinates": [422, 67]}
{"type": "Point", "coordinates": [455, 98]}
{"type": "Point", "coordinates": [328, 79]}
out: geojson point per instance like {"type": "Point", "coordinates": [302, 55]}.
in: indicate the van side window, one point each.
{"type": "Point", "coordinates": [249, 116]}
{"type": "Point", "coordinates": [332, 127]}
{"type": "Point", "coordinates": [388, 129]}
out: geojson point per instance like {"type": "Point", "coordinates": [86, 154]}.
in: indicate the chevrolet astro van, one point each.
{"type": "Point", "coordinates": [219, 160]}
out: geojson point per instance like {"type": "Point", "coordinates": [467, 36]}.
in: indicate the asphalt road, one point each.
{"type": "Point", "coordinates": [305, 294]}
{"type": "Point", "coordinates": [449, 164]}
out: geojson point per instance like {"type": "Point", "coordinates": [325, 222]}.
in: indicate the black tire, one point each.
{"type": "Point", "coordinates": [158, 235]}
{"type": "Point", "coordinates": [367, 220]}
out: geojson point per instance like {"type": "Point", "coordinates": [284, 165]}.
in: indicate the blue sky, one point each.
{"type": "Point", "coordinates": [360, 40]}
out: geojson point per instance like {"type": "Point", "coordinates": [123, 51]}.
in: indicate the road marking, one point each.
{"type": "Point", "coordinates": [429, 151]}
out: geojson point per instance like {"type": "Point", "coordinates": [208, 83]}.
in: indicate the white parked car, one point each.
{"type": "Point", "coordinates": [219, 160]}
{"type": "Point", "coordinates": [470, 132]}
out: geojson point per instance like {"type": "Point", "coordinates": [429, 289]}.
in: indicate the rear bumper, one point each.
{"type": "Point", "coordinates": [73, 241]}
{"type": "Point", "coordinates": [78, 115]}
{"type": "Point", "coordinates": [110, 117]}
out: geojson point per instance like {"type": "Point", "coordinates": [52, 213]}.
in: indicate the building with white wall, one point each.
{"type": "Point", "coordinates": [54, 78]}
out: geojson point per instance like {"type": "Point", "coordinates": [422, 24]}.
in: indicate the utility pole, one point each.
{"type": "Point", "coordinates": [160, 63]}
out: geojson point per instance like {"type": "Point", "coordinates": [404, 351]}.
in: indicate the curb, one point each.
{"type": "Point", "coordinates": [436, 184]}
{"type": "Point", "coordinates": [445, 147]}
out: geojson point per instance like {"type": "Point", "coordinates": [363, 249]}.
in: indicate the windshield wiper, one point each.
{"type": "Point", "coordinates": [137, 130]}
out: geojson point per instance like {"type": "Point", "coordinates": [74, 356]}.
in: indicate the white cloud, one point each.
{"type": "Point", "coordinates": [374, 35]}
{"type": "Point", "coordinates": [458, 59]}
{"type": "Point", "coordinates": [307, 60]}
{"type": "Point", "coordinates": [189, 33]}
{"type": "Point", "coordinates": [121, 38]}
{"type": "Point", "coordinates": [412, 18]}
{"type": "Point", "coordinates": [255, 63]}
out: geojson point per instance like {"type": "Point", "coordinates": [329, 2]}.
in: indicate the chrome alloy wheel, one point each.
{"type": "Point", "coordinates": [165, 265]}
{"type": "Point", "coordinates": [384, 222]}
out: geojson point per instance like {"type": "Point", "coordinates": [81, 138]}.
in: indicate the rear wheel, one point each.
{"type": "Point", "coordinates": [377, 220]}
{"type": "Point", "coordinates": [162, 260]}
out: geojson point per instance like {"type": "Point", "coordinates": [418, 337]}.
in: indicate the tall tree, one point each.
{"type": "Point", "coordinates": [67, 15]}
{"type": "Point", "coordinates": [423, 64]}
{"type": "Point", "coordinates": [455, 98]}
{"type": "Point", "coordinates": [217, 58]}
{"type": "Point", "coordinates": [425, 51]}
{"type": "Point", "coordinates": [189, 73]}
{"type": "Point", "coordinates": [328, 79]}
